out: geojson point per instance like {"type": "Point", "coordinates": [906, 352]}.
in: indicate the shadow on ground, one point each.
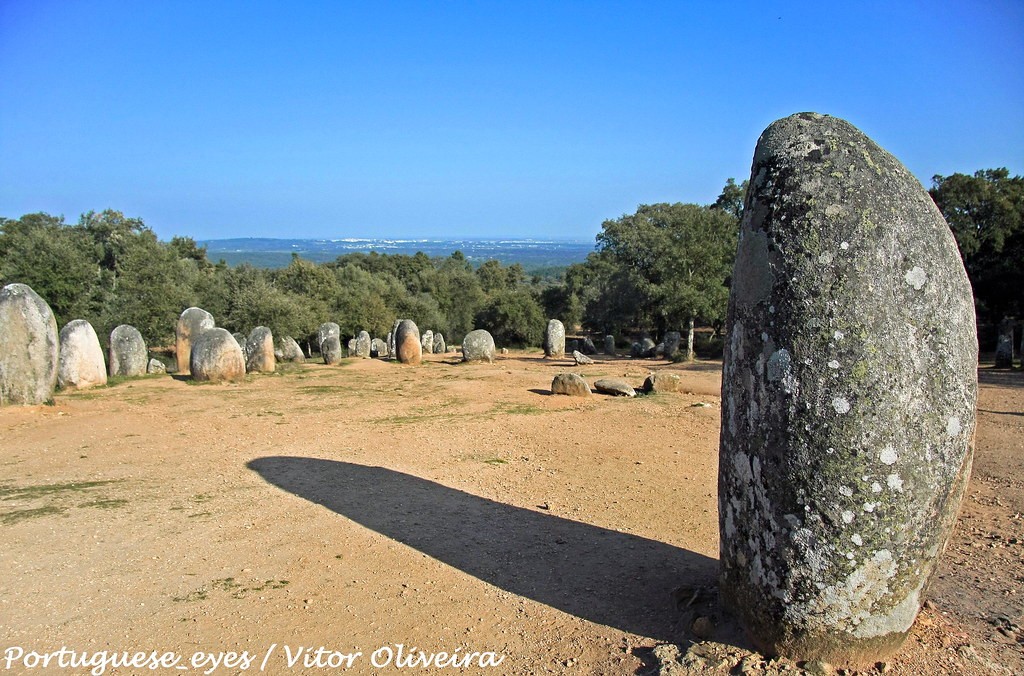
{"type": "Point", "coordinates": [604, 576]}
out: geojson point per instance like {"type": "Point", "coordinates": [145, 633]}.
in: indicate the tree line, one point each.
{"type": "Point", "coordinates": [664, 267]}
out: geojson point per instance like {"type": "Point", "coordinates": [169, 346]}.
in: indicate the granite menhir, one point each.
{"type": "Point", "coordinates": [848, 396]}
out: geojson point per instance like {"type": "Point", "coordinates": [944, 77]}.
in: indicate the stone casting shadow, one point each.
{"type": "Point", "coordinates": [604, 576]}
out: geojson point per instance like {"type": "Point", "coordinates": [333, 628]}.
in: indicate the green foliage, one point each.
{"type": "Point", "coordinates": [513, 318]}
{"type": "Point", "coordinates": [986, 214]}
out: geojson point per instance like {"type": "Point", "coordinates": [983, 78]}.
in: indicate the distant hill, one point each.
{"type": "Point", "coordinates": [532, 254]}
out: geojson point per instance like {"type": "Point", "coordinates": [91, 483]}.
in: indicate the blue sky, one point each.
{"type": "Point", "coordinates": [506, 119]}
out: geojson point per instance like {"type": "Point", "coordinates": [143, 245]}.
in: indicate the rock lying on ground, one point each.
{"type": "Point", "coordinates": [581, 359]}
{"type": "Point", "coordinates": [156, 366]}
{"type": "Point", "coordinates": [571, 384]}
{"type": "Point", "coordinates": [478, 345]}
{"type": "Point", "coordinates": [81, 357]}
{"type": "Point", "coordinates": [661, 381]}
{"type": "Point", "coordinates": [615, 387]}
{"type": "Point", "coordinates": [848, 396]}
{"type": "Point", "coordinates": [29, 347]}
{"type": "Point", "coordinates": [216, 357]}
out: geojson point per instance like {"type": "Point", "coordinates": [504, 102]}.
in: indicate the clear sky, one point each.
{"type": "Point", "coordinates": [452, 119]}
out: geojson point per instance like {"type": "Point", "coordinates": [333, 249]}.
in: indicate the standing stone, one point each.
{"type": "Point", "coordinates": [393, 338]}
{"type": "Point", "coordinates": [290, 351]}
{"type": "Point", "coordinates": [259, 351]}
{"type": "Point", "coordinates": [127, 355]}
{"type": "Point", "coordinates": [427, 342]}
{"type": "Point", "coordinates": [571, 384]}
{"type": "Point", "coordinates": [478, 345]}
{"type": "Point", "coordinates": [81, 357]}
{"type": "Point", "coordinates": [672, 341]}
{"type": "Point", "coordinates": [1004, 346]}
{"type": "Point", "coordinates": [191, 323]}
{"type": "Point", "coordinates": [363, 344]}
{"type": "Point", "coordinates": [609, 345]}
{"type": "Point", "coordinates": [554, 340]}
{"type": "Point", "coordinates": [645, 347]}
{"type": "Point", "coordinates": [327, 329]}
{"type": "Point", "coordinates": [587, 346]}
{"type": "Point", "coordinates": [439, 345]}
{"type": "Point", "coordinates": [29, 347]}
{"type": "Point", "coordinates": [156, 366]}
{"type": "Point", "coordinates": [843, 460]}
{"type": "Point", "coordinates": [330, 350]}
{"type": "Point", "coordinates": [408, 349]}
{"type": "Point", "coordinates": [216, 357]}
{"type": "Point", "coordinates": [378, 348]}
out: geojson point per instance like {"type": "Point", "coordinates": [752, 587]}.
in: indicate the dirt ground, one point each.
{"type": "Point", "coordinates": [441, 508]}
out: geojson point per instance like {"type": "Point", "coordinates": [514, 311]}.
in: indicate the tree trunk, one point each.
{"type": "Point", "coordinates": [689, 340]}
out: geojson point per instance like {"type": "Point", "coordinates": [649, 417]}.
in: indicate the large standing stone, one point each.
{"type": "Point", "coordinates": [29, 347]}
{"type": "Point", "coordinates": [81, 357]}
{"type": "Point", "coordinates": [1004, 346]}
{"type": "Point", "coordinates": [554, 339]}
{"type": "Point", "coordinates": [571, 384]}
{"type": "Point", "coordinates": [215, 356]}
{"type": "Point", "coordinates": [427, 342]}
{"type": "Point", "coordinates": [290, 350]}
{"type": "Point", "coordinates": [587, 346]}
{"type": "Point", "coordinates": [191, 323]}
{"type": "Point", "coordinates": [440, 347]}
{"type": "Point", "coordinates": [259, 351]}
{"type": "Point", "coordinates": [363, 345]}
{"type": "Point", "coordinates": [478, 345]}
{"type": "Point", "coordinates": [330, 350]}
{"type": "Point", "coordinates": [672, 341]}
{"type": "Point", "coordinates": [609, 345]}
{"type": "Point", "coordinates": [843, 459]}
{"type": "Point", "coordinates": [127, 355]}
{"type": "Point", "coordinates": [407, 342]}
{"type": "Point", "coordinates": [392, 338]}
{"type": "Point", "coordinates": [378, 348]}
{"type": "Point", "coordinates": [327, 329]}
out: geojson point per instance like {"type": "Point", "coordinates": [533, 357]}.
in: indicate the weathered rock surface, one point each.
{"type": "Point", "coordinates": [29, 347]}
{"type": "Point", "coordinates": [609, 345]}
{"type": "Point", "coordinates": [331, 350]}
{"type": "Point", "coordinates": [440, 347]}
{"type": "Point", "coordinates": [587, 346]}
{"type": "Point", "coordinates": [408, 349]}
{"type": "Point", "coordinates": [1004, 345]}
{"type": "Point", "coordinates": [156, 366]}
{"type": "Point", "coordinates": [615, 387]}
{"type": "Point", "coordinates": [363, 345]}
{"type": "Point", "coordinates": [581, 359]}
{"type": "Point", "coordinates": [378, 348]}
{"type": "Point", "coordinates": [352, 346]}
{"type": "Point", "coordinates": [672, 341]}
{"type": "Point", "coordinates": [478, 345]}
{"type": "Point", "coordinates": [216, 357]}
{"type": "Point", "coordinates": [554, 339]}
{"type": "Point", "coordinates": [427, 342]}
{"type": "Point", "coordinates": [643, 349]}
{"type": "Point", "coordinates": [127, 355]}
{"type": "Point", "coordinates": [81, 357]}
{"type": "Point", "coordinates": [191, 323]}
{"type": "Point", "coordinates": [571, 384]}
{"type": "Point", "coordinates": [241, 339]}
{"type": "Point", "coordinates": [289, 351]}
{"type": "Point", "coordinates": [259, 351]}
{"type": "Point", "coordinates": [661, 381]}
{"type": "Point", "coordinates": [327, 329]}
{"type": "Point", "coordinates": [843, 459]}
{"type": "Point", "coordinates": [392, 338]}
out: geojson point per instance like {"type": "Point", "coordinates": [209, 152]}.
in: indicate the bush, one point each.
{"type": "Point", "coordinates": [513, 318]}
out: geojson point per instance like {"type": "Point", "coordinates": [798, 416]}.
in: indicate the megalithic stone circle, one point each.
{"type": "Point", "coordinates": [848, 396]}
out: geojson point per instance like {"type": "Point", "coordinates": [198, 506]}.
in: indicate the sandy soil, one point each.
{"type": "Point", "coordinates": [446, 507]}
